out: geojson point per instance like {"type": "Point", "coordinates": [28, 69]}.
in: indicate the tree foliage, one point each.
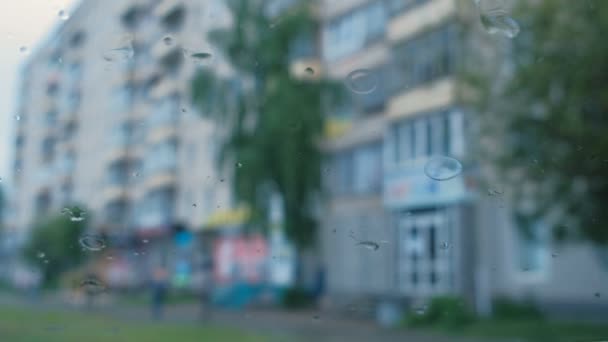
{"type": "Point", "coordinates": [545, 113]}
{"type": "Point", "coordinates": [53, 246]}
{"type": "Point", "coordinates": [272, 120]}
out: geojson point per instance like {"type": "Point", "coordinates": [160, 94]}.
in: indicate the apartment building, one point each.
{"type": "Point", "coordinates": [432, 237]}
{"type": "Point", "coordinates": [106, 120]}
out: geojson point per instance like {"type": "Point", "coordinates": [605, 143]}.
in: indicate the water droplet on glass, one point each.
{"type": "Point", "coordinates": [18, 117]}
{"type": "Point", "coordinates": [597, 295]}
{"type": "Point", "coordinates": [168, 40]}
{"type": "Point", "coordinates": [92, 285]}
{"type": "Point", "coordinates": [40, 255]}
{"type": "Point", "coordinates": [442, 168]}
{"type": "Point", "coordinates": [92, 242]}
{"type": "Point", "coordinates": [46, 261]}
{"type": "Point", "coordinates": [309, 71]}
{"type": "Point", "coordinates": [109, 257]}
{"type": "Point", "coordinates": [222, 180]}
{"type": "Point", "coordinates": [200, 57]}
{"type": "Point", "coordinates": [119, 54]}
{"type": "Point", "coordinates": [63, 15]}
{"type": "Point", "coordinates": [145, 241]}
{"type": "Point", "coordinates": [239, 165]}
{"type": "Point", "coordinates": [372, 246]}
{"type": "Point", "coordinates": [444, 246]}
{"type": "Point", "coordinates": [75, 214]}
{"type": "Point", "coordinates": [183, 110]}
{"type": "Point", "coordinates": [194, 205]}
{"type": "Point", "coordinates": [24, 50]}
{"type": "Point", "coordinates": [499, 22]}
{"type": "Point", "coordinates": [135, 174]}
{"type": "Point", "coordinates": [362, 81]}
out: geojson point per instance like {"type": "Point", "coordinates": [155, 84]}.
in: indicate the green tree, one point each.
{"type": "Point", "coordinates": [272, 120]}
{"type": "Point", "coordinates": [543, 116]}
{"type": "Point", "coordinates": [53, 246]}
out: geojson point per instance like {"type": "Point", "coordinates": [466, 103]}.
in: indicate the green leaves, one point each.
{"type": "Point", "coordinates": [273, 120]}
{"type": "Point", "coordinates": [53, 246]}
{"type": "Point", "coordinates": [549, 117]}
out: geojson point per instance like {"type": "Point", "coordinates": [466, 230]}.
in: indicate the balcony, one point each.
{"type": "Point", "coordinates": [407, 186]}
{"type": "Point", "coordinates": [439, 94]}
{"type": "Point", "coordinates": [420, 18]}
{"type": "Point", "coordinates": [113, 193]}
{"type": "Point", "coordinates": [160, 179]}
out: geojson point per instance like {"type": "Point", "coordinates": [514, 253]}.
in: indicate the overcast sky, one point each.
{"type": "Point", "coordinates": [22, 23]}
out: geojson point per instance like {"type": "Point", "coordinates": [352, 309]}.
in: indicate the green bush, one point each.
{"type": "Point", "coordinates": [296, 298]}
{"type": "Point", "coordinates": [449, 312]}
{"type": "Point", "coordinates": [505, 308]}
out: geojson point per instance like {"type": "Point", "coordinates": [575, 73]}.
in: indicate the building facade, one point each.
{"type": "Point", "coordinates": [433, 238]}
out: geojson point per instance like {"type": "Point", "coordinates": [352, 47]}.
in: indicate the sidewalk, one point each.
{"type": "Point", "coordinates": [280, 325]}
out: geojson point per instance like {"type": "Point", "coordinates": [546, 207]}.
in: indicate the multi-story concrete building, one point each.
{"type": "Point", "coordinates": [434, 237]}
{"type": "Point", "coordinates": [106, 120]}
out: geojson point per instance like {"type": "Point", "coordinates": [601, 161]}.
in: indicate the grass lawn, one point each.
{"type": "Point", "coordinates": [534, 330]}
{"type": "Point", "coordinates": [19, 324]}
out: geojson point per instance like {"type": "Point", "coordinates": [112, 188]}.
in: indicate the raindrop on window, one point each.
{"type": "Point", "coordinates": [183, 110]}
{"type": "Point", "coordinates": [18, 117]}
{"type": "Point", "coordinates": [168, 40]}
{"type": "Point", "coordinates": [309, 71]}
{"type": "Point", "coordinates": [63, 15]}
{"type": "Point", "coordinates": [119, 54]}
{"type": "Point", "coordinates": [92, 285]}
{"type": "Point", "coordinates": [499, 22]}
{"type": "Point", "coordinates": [75, 214]}
{"type": "Point", "coordinates": [24, 50]}
{"type": "Point", "coordinates": [199, 57]}
{"type": "Point", "coordinates": [194, 205]}
{"type": "Point", "coordinates": [362, 81]}
{"type": "Point", "coordinates": [40, 255]}
{"type": "Point", "coordinates": [372, 246]}
{"type": "Point", "coordinates": [239, 165]}
{"type": "Point", "coordinates": [597, 295]}
{"type": "Point", "coordinates": [222, 180]}
{"type": "Point", "coordinates": [444, 246]}
{"type": "Point", "coordinates": [145, 241]}
{"type": "Point", "coordinates": [92, 242]}
{"type": "Point", "coordinates": [442, 168]}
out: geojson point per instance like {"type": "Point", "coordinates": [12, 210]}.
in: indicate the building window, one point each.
{"type": "Point", "coordinates": [424, 59]}
{"type": "Point", "coordinates": [48, 150]}
{"type": "Point", "coordinates": [358, 170]}
{"type": "Point", "coordinates": [434, 133]}
{"type": "Point", "coordinates": [43, 203]}
{"type": "Point", "coordinates": [156, 209]}
{"type": "Point", "coordinates": [395, 7]}
{"type": "Point", "coordinates": [118, 173]}
{"type": "Point", "coordinates": [117, 211]}
{"type": "Point", "coordinates": [353, 31]}
{"type": "Point", "coordinates": [161, 157]}
{"type": "Point", "coordinates": [532, 246]}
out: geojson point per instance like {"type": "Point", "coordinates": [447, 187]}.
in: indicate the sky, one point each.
{"type": "Point", "coordinates": [22, 23]}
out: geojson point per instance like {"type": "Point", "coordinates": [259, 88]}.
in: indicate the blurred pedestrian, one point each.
{"type": "Point", "coordinates": [206, 289]}
{"type": "Point", "coordinates": [160, 284]}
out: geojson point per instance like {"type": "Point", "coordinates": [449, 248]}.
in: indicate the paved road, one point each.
{"type": "Point", "coordinates": [281, 326]}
